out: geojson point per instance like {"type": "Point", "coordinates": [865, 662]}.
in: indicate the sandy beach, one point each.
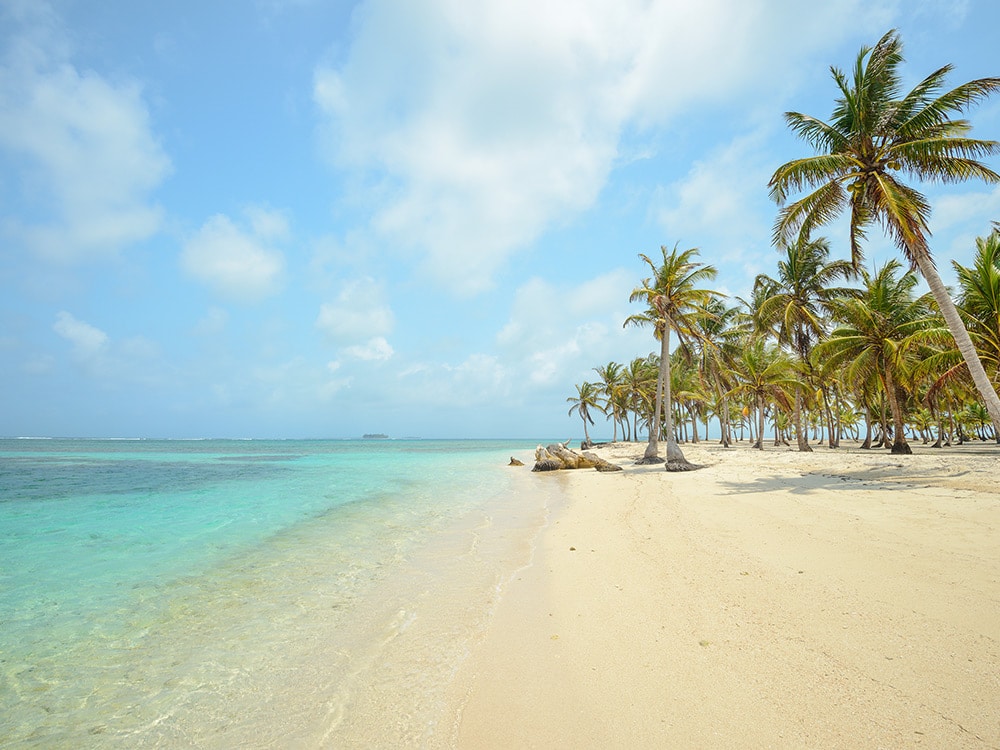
{"type": "Point", "coordinates": [836, 599]}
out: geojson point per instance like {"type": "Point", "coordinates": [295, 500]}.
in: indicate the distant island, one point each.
{"type": "Point", "coordinates": [374, 436]}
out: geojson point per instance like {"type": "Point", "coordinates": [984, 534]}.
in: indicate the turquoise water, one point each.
{"type": "Point", "coordinates": [247, 593]}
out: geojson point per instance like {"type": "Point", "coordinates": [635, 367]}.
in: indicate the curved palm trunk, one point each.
{"type": "Point", "coordinates": [867, 443]}
{"type": "Point", "coordinates": [962, 339]}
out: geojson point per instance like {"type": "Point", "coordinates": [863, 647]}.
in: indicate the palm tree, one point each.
{"type": "Point", "coordinates": [716, 345]}
{"type": "Point", "coordinates": [673, 299]}
{"type": "Point", "coordinates": [875, 134]}
{"type": "Point", "coordinates": [878, 336]}
{"type": "Point", "coordinates": [611, 383]}
{"type": "Point", "coordinates": [797, 304]}
{"type": "Point", "coordinates": [979, 300]}
{"type": "Point", "coordinates": [587, 397]}
{"type": "Point", "coordinates": [639, 380]}
{"type": "Point", "coordinates": [764, 373]}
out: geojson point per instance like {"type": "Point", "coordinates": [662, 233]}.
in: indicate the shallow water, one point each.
{"type": "Point", "coordinates": [249, 593]}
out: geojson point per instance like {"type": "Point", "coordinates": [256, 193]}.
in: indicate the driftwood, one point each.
{"type": "Point", "coordinates": [558, 456]}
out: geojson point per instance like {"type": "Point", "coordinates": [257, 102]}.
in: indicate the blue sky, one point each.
{"type": "Point", "coordinates": [294, 218]}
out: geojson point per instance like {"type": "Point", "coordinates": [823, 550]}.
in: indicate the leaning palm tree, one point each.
{"type": "Point", "coordinates": [587, 397]}
{"type": "Point", "coordinates": [797, 306]}
{"type": "Point", "coordinates": [876, 133]}
{"type": "Point", "coordinates": [673, 299]}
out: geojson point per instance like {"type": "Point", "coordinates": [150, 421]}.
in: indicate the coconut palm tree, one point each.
{"type": "Point", "coordinates": [587, 398]}
{"type": "Point", "coordinates": [673, 298]}
{"type": "Point", "coordinates": [876, 134]}
{"type": "Point", "coordinates": [716, 346]}
{"type": "Point", "coordinates": [979, 300]}
{"type": "Point", "coordinates": [610, 385]}
{"type": "Point", "coordinates": [878, 336]}
{"type": "Point", "coordinates": [797, 305]}
{"type": "Point", "coordinates": [639, 381]}
{"type": "Point", "coordinates": [765, 374]}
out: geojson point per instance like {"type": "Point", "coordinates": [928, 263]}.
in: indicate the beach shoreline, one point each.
{"type": "Point", "coordinates": [835, 599]}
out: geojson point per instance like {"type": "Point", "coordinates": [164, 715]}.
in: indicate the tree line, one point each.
{"type": "Point", "coordinates": [826, 347]}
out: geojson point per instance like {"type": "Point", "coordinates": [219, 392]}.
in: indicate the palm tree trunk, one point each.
{"type": "Point", "coordinates": [962, 339]}
{"type": "Point", "coordinates": [801, 436]}
{"type": "Point", "coordinates": [662, 380]}
{"type": "Point", "coordinates": [760, 423]}
{"type": "Point", "coordinates": [899, 444]}
{"type": "Point", "coordinates": [675, 458]}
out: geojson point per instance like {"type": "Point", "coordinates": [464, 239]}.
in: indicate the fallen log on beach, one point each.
{"type": "Point", "coordinates": [558, 456]}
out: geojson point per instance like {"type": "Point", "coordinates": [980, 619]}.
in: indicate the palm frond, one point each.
{"type": "Point", "coordinates": [811, 172]}
{"type": "Point", "coordinates": [815, 209]}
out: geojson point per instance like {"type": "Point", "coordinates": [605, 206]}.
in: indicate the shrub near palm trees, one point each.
{"type": "Point", "coordinates": [876, 134]}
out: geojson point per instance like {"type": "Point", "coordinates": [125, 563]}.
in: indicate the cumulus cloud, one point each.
{"type": "Point", "coordinates": [86, 157]}
{"type": "Point", "coordinates": [238, 263]}
{"type": "Point", "coordinates": [485, 124]}
{"type": "Point", "coordinates": [359, 313]}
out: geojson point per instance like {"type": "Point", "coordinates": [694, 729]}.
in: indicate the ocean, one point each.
{"type": "Point", "coordinates": [265, 594]}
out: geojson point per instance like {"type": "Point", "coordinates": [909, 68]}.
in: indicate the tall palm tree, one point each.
{"type": "Point", "coordinates": [878, 336]}
{"type": "Point", "coordinates": [587, 397]}
{"type": "Point", "coordinates": [717, 347]}
{"type": "Point", "coordinates": [876, 133]}
{"type": "Point", "coordinates": [611, 383]}
{"type": "Point", "coordinates": [797, 305]}
{"type": "Point", "coordinates": [673, 299]}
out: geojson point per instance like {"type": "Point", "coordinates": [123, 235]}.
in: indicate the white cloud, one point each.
{"type": "Point", "coordinates": [87, 156]}
{"type": "Point", "coordinates": [88, 341]}
{"type": "Point", "coordinates": [484, 124]}
{"type": "Point", "coordinates": [135, 359]}
{"type": "Point", "coordinates": [236, 263]}
{"type": "Point", "coordinates": [359, 312]}
{"type": "Point", "coordinates": [374, 350]}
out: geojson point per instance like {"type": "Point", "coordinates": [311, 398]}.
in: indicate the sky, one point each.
{"type": "Point", "coordinates": [309, 219]}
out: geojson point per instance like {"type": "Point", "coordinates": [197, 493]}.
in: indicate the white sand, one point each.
{"type": "Point", "coordinates": [838, 599]}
